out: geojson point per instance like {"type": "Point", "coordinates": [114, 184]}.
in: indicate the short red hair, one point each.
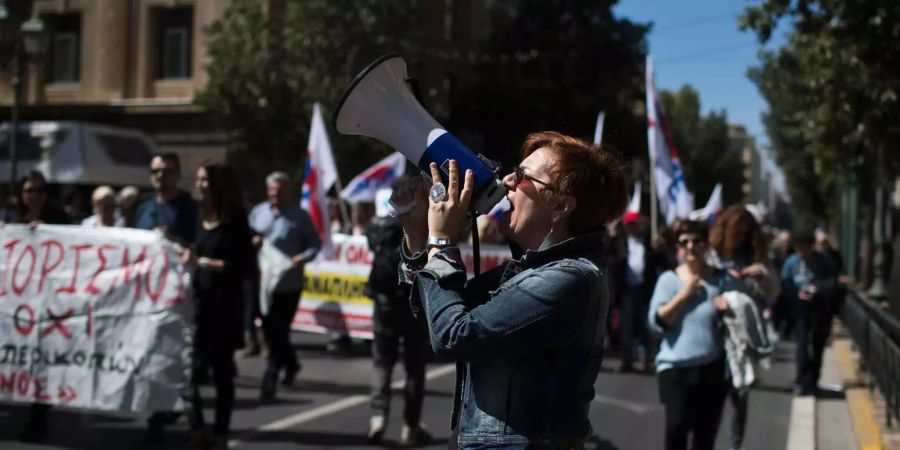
{"type": "Point", "coordinates": [592, 175]}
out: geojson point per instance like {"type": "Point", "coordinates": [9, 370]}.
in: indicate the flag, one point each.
{"type": "Point", "coordinates": [380, 175]}
{"type": "Point", "coordinates": [674, 198]}
{"type": "Point", "coordinates": [598, 132]}
{"type": "Point", "coordinates": [713, 206]}
{"type": "Point", "coordinates": [635, 205]}
{"type": "Point", "coordinates": [320, 175]}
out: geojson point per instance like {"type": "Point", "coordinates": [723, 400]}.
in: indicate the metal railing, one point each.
{"type": "Point", "coordinates": [877, 336]}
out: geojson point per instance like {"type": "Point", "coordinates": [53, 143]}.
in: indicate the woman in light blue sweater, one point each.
{"type": "Point", "coordinates": [690, 364]}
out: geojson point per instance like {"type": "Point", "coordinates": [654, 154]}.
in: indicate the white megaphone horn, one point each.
{"type": "Point", "coordinates": [378, 103]}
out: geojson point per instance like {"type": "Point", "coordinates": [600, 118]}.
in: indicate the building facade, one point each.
{"type": "Point", "coordinates": [140, 63]}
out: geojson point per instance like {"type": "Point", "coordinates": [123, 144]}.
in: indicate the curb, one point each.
{"type": "Point", "coordinates": [862, 411]}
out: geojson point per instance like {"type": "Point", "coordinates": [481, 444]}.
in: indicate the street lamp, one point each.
{"type": "Point", "coordinates": [29, 40]}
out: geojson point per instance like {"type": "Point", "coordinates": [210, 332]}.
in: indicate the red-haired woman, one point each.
{"type": "Point", "coordinates": [529, 334]}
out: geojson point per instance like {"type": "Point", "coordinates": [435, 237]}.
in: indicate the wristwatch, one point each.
{"type": "Point", "coordinates": [437, 242]}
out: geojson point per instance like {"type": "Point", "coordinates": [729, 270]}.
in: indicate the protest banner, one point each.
{"type": "Point", "coordinates": [95, 318]}
{"type": "Point", "coordinates": [333, 292]}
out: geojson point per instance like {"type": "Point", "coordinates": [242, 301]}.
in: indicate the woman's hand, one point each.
{"type": "Point", "coordinates": [692, 283]}
{"type": "Point", "coordinates": [189, 257]}
{"type": "Point", "coordinates": [414, 221]}
{"type": "Point", "coordinates": [720, 303]}
{"type": "Point", "coordinates": [448, 218]}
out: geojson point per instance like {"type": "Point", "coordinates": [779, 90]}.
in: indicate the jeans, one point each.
{"type": "Point", "coordinates": [634, 314]}
{"type": "Point", "coordinates": [693, 398]}
{"type": "Point", "coordinates": [277, 331]}
{"type": "Point", "coordinates": [812, 328]}
{"type": "Point", "coordinates": [740, 399]}
{"type": "Point", "coordinates": [385, 353]}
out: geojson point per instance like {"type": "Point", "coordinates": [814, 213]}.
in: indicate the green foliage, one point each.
{"type": "Point", "coordinates": [704, 147]}
{"type": "Point", "coordinates": [833, 94]}
{"type": "Point", "coordinates": [552, 66]}
{"type": "Point", "coordinates": [262, 84]}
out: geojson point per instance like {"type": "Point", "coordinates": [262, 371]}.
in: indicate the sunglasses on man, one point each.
{"type": "Point", "coordinates": [162, 171]}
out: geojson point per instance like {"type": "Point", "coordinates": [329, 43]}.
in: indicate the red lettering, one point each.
{"type": "Point", "coordinates": [58, 323]}
{"type": "Point", "coordinates": [40, 389]}
{"type": "Point", "coordinates": [338, 249]}
{"type": "Point", "coordinates": [163, 276]}
{"type": "Point", "coordinates": [9, 250]}
{"type": "Point", "coordinates": [70, 289]}
{"type": "Point", "coordinates": [47, 268]}
{"type": "Point", "coordinates": [127, 267]}
{"type": "Point", "coordinates": [24, 330]}
{"type": "Point", "coordinates": [18, 290]}
{"type": "Point", "coordinates": [22, 384]}
{"type": "Point", "coordinates": [7, 382]}
{"type": "Point", "coordinates": [91, 288]}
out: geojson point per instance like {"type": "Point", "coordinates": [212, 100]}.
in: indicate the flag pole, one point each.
{"type": "Point", "coordinates": [653, 200]}
{"type": "Point", "coordinates": [345, 214]}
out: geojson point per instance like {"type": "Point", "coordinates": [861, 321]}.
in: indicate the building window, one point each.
{"type": "Point", "coordinates": [175, 42]}
{"type": "Point", "coordinates": [65, 49]}
{"type": "Point", "coordinates": [449, 13]}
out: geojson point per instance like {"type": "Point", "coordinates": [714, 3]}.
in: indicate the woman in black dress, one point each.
{"type": "Point", "coordinates": [221, 256]}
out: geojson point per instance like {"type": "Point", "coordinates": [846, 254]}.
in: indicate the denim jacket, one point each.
{"type": "Point", "coordinates": [527, 335]}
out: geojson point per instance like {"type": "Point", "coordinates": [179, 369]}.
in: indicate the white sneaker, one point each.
{"type": "Point", "coordinates": [377, 424]}
{"type": "Point", "coordinates": [414, 436]}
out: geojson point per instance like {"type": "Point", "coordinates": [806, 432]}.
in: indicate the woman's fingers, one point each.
{"type": "Point", "coordinates": [453, 188]}
{"type": "Point", "coordinates": [468, 186]}
{"type": "Point", "coordinates": [435, 174]}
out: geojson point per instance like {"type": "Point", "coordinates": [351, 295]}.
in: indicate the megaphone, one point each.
{"type": "Point", "coordinates": [378, 103]}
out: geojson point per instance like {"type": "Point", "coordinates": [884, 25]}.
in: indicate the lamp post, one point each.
{"type": "Point", "coordinates": [878, 290]}
{"type": "Point", "coordinates": [29, 40]}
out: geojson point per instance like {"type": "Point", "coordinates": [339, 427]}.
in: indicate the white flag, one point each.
{"type": "Point", "coordinates": [635, 205]}
{"type": "Point", "coordinates": [674, 198]}
{"type": "Point", "coordinates": [381, 175]}
{"type": "Point", "coordinates": [713, 206]}
{"type": "Point", "coordinates": [321, 174]}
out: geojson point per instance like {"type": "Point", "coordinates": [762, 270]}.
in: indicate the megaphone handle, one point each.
{"type": "Point", "coordinates": [476, 248]}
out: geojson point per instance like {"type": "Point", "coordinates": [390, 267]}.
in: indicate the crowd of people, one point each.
{"type": "Point", "coordinates": [668, 301]}
{"type": "Point", "coordinates": [584, 276]}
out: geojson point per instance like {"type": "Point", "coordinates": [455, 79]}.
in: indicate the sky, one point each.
{"type": "Point", "coordinates": [697, 42]}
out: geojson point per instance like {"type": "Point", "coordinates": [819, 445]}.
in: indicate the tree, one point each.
{"type": "Point", "coordinates": [704, 147]}
{"type": "Point", "coordinates": [267, 68]}
{"type": "Point", "coordinates": [552, 66]}
{"type": "Point", "coordinates": [833, 95]}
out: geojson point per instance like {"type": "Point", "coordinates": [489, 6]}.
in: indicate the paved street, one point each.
{"type": "Point", "coordinates": [328, 408]}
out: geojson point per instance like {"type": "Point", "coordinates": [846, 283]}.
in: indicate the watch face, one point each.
{"type": "Point", "coordinates": [438, 192]}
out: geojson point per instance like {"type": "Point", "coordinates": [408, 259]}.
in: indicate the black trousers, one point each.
{"type": "Point", "coordinates": [693, 398]}
{"type": "Point", "coordinates": [277, 332]}
{"type": "Point", "coordinates": [740, 400]}
{"type": "Point", "coordinates": [394, 325]}
{"type": "Point", "coordinates": [221, 360]}
{"type": "Point", "coordinates": [811, 331]}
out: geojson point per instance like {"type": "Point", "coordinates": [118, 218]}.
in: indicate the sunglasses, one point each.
{"type": "Point", "coordinates": [521, 175]}
{"type": "Point", "coordinates": [35, 190]}
{"type": "Point", "coordinates": [695, 241]}
{"type": "Point", "coordinates": [161, 171]}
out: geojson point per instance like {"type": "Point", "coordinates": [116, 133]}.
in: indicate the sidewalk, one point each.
{"type": "Point", "coordinates": [844, 415]}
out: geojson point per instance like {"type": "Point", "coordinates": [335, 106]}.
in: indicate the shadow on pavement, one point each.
{"type": "Point", "coordinates": [331, 440]}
